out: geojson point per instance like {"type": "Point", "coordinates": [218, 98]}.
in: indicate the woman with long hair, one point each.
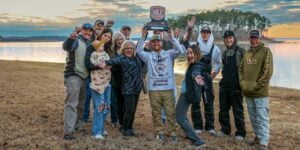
{"type": "Point", "coordinates": [117, 98]}
{"type": "Point", "coordinates": [191, 92]}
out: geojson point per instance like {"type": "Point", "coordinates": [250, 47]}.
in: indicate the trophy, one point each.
{"type": "Point", "coordinates": [158, 22]}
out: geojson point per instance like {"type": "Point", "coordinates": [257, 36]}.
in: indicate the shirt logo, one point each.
{"type": "Point", "coordinates": [251, 61]}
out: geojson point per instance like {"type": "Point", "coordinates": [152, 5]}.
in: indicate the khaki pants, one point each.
{"type": "Point", "coordinates": [163, 99]}
{"type": "Point", "coordinates": [74, 103]}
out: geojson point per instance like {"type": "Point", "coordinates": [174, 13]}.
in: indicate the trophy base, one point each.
{"type": "Point", "coordinates": [157, 25]}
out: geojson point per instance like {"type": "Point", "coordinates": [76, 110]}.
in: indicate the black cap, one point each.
{"type": "Point", "coordinates": [254, 33]}
{"type": "Point", "coordinates": [228, 33]}
{"type": "Point", "coordinates": [205, 28]}
{"type": "Point", "coordinates": [125, 27]}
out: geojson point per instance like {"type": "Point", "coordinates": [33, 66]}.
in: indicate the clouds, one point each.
{"type": "Point", "coordinates": [63, 15]}
{"type": "Point", "coordinates": [278, 11]}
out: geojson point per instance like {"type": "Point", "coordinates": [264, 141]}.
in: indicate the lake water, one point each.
{"type": "Point", "coordinates": [286, 58]}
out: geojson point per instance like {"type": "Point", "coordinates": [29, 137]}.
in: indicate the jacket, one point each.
{"type": "Point", "coordinates": [132, 82]}
{"type": "Point", "coordinates": [255, 71]}
{"type": "Point", "coordinates": [75, 61]}
{"type": "Point", "coordinates": [193, 89]}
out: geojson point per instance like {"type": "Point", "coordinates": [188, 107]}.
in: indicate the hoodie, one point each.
{"type": "Point", "coordinates": [205, 48]}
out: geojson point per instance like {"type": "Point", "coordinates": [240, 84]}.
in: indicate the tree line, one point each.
{"type": "Point", "coordinates": [221, 20]}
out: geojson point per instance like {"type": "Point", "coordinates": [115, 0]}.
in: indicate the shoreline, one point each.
{"type": "Point", "coordinates": [179, 74]}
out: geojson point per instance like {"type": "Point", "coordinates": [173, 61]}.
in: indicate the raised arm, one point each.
{"type": "Point", "coordinates": [140, 47]}
{"type": "Point", "coordinates": [71, 43]}
{"type": "Point", "coordinates": [178, 48]}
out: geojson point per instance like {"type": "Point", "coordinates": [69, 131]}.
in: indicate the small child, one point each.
{"type": "Point", "coordinates": [100, 89]}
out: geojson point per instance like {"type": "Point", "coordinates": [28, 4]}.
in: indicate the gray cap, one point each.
{"type": "Point", "coordinates": [205, 28]}
{"type": "Point", "coordinates": [254, 33]}
{"type": "Point", "coordinates": [156, 37]}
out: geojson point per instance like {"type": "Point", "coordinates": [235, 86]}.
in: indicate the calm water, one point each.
{"type": "Point", "coordinates": [286, 58]}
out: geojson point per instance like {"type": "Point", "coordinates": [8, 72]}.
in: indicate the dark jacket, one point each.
{"type": "Point", "coordinates": [193, 89]}
{"type": "Point", "coordinates": [255, 71]}
{"type": "Point", "coordinates": [132, 82]}
{"type": "Point", "coordinates": [116, 73]}
{"type": "Point", "coordinates": [230, 78]}
{"type": "Point", "coordinates": [70, 46]}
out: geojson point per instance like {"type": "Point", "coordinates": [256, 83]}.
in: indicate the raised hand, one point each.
{"type": "Point", "coordinates": [191, 22]}
{"type": "Point", "coordinates": [144, 33]}
{"type": "Point", "coordinates": [170, 34]}
{"type": "Point", "coordinates": [200, 80]}
{"type": "Point", "coordinates": [73, 35]}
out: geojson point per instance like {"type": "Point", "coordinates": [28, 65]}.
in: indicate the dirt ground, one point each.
{"type": "Point", "coordinates": [31, 116]}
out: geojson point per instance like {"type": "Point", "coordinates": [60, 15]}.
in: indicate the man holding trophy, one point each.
{"type": "Point", "coordinates": [160, 73]}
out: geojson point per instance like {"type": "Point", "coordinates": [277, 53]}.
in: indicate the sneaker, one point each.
{"type": "Point", "coordinates": [105, 133]}
{"type": "Point", "coordinates": [263, 147]}
{"type": "Point", "coordinates": [198, 131]}
{"type": "Point", "coordinates": [255, 141]}
{"type": "Point", "coordinates": [199, 144]}
{"type": "Point", "coordinates": [69, 137]}
{"type": "Point", "coordinates": [174, 139]}
{"type": "Point", "coordinates": [221, 134]}
{"type": "Point", "coordinates": [161, 137]}
{"type": "Point", "coordinates": [126, 133]}
{"type": "Point", "coordinates": [131, 132]}
{"type": "Point", "coordinates": [115, 125]}
{"type": "Point", "coordinates": [239, 138]}
{"type": "Point", "coordinates": [98, 137]}
{"type": "Point", "coordinates": [212, 132]}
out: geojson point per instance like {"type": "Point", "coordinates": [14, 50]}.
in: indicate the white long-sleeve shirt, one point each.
{"type": "Point", "coordinates": [160, 65]}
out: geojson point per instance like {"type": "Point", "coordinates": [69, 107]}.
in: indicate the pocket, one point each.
{"type": "Point", "coordinates": [248, 86]}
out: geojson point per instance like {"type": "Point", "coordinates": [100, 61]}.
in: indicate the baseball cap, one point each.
{"type": "Point", "coordinates": [125, 27]}
{"type": "Point", "coordinates": [205, 28]}
{"type": "Point", "coordinates": [87, 26]}
{"type": "Point", "coordinates": [156, 37]}
{"type": "Point", "coordinates": [228, 33]}
{"type": "Point", "coordinates": [254, 33]}
{"type": "Point", "coordinates": [99, 21]}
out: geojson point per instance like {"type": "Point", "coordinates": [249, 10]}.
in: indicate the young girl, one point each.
{"type": "Point", "coordinates": [132, 83]}
{"type": "Point", "coordinates": [117, 98]}
{"type": "Point", "coordinates": [191, 92]}
{"type": "Point", "coordinates": [100, 81]}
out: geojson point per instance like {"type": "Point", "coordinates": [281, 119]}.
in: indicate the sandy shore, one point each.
{"type": "Point", "coordinates": [31, 115]}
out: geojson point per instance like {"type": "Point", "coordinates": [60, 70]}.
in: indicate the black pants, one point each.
{"type": "Point", "coordinates": [117, 105]}
{"type": "Point", "coordinates": [208, 100]}
{"type": "Point", "coordinates": [234, 99]}
{"type": "Point", "coordinates": [130, 109]}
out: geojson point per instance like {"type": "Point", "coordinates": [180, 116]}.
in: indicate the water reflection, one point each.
{"type": "Point", "coordinates": [286, 58]}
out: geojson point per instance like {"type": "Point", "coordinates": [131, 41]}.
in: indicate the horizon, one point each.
{"type": "Point", "coordinates": [41, 19]}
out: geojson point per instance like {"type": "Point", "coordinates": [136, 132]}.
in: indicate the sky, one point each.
{"type": "Point", "coordinates": [59, 17]}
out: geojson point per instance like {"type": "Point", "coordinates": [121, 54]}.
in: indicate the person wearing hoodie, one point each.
{"type": "Point", "coordinates": [212, 59]}
{"type": "Point", "coordinates": [161, 81]}
{"type": "Point", "coordinates": [255, 72]}
{"type": "Point", "coordinates": [230, 94]}
{"type": "Point", "coordinates": [75, 75]}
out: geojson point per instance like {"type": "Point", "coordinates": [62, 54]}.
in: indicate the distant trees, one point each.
{"type": "Point", "coordinates": [221, 20]}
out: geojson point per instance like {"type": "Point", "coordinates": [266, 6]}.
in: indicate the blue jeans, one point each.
{"type": "Point", "coordinates": [100, 115]}
{"type": "Point", "coordinates": [88, 96]}
{"type": "Point", "coordinates": [182, 107]}
{"type": "Point", "coordinates": [258, 109]}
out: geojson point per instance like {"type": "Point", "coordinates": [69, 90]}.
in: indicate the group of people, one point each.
{"type": "Point", "coordinates": [111, 70]}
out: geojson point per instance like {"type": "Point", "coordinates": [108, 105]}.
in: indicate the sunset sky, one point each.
{"type": "Point", "coordinates": [58, 17]}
